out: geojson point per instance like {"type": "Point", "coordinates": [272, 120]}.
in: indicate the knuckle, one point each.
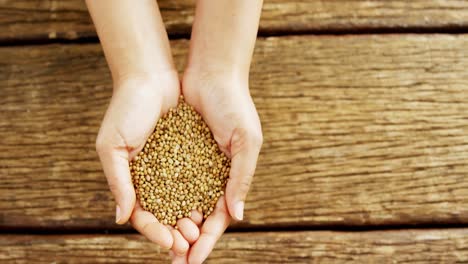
{"type": "Point", "coordinates": [245, 184]}
{"type": "Point", "coordinates": [114, 188]}
{"type": "Point", "coordinates": [257, 139]}
{"type": "Point", "coordinates": [246, 138]}
{"type": "Point", "coordinates": [100, 144]}
{"type": "Point", "coordinates": [103, 145]}
{"type": "Point", "coordinates": [184, 248]}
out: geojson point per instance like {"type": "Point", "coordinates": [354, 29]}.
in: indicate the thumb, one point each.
{"type": "Point", "coordinates": [245, 148]}
{"type": "Point", "coordinates": [117, 171]}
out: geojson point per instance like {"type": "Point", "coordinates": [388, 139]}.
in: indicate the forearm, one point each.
{"type": "Point", "coordinates": [223, 35]}
{"type": "Point", "coordinates": [133, 37]}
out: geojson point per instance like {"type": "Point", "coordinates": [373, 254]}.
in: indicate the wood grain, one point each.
{"type": "Point", "coordinates": [404, 246]}
{"type": "Point", "coordinates": [359, 130]}
{"type": "Point", "coordinates": [68, 19]}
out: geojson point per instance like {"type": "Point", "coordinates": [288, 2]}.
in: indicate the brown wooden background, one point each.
{"type": "Point", "coordinates": [364, 106]}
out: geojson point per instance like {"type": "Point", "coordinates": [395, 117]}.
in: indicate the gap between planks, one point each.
{"type": "Point", "coordinates": [405, 246]}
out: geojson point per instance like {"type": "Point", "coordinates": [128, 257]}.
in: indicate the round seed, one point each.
{"type": "Point", "coordinates": [180, 167]}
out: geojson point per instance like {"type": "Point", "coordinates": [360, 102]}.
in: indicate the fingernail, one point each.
{"type": "Point", "coordinates": [239, 210]}
{"type": "Point", "coordinates": [117, 214]}
{"type": "Point", "coordinates": [171, 254]}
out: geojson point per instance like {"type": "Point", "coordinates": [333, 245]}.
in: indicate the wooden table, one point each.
{"type": "Point", "coordinates": [364, 107]}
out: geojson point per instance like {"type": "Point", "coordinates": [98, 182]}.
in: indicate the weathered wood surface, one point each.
{"type": "Point", "coordinates": [50, 19]}
{"type": "Point", "coordinates": [359, 130]}
{"type": "Point", "coordinates": [404, 246]}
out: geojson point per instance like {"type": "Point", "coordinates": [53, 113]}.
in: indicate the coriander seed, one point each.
{"type": "Point", "coordinates": [180, 168]}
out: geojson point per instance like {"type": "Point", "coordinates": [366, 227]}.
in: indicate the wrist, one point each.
{"type": "Point", "coordinates": [198, 82]}
{"type": "Point", "coordinates": [160, 77]}
{"type": "Point", "coordinates": [162, 87]}
{"type": "Point", "coordinates": [209, 64]}
{"type": "Point", "coordinates": [216, 73]}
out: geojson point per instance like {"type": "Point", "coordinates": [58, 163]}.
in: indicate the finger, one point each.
{"type": "Point", "coordinates": [147, 224]}
{"type": "Point", "coordinates": [245, 148]}
{"type": "Point", "coordinates": [180, 246]}
{"type": "Point", "coordinates": [117, 171]}
{"type": "Point", "coordinates": [176, 259]}
{"type": "Point", "coordinates": [189, 230]}
{"type": "Point", "coordinates": [212, 229]}
{"type": "Point", "coordinates": [196, 217]}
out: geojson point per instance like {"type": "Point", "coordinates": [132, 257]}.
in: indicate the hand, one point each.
{"type": "Point", "coordinates": [225, 104]}
{"type": "Point", "coordinates": [136, 105]}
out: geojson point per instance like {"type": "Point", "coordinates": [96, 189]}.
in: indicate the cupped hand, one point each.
{"type": "Point", "coordinates": [136, 105]}
{"type": "Point", "coordinates": [224, 101]}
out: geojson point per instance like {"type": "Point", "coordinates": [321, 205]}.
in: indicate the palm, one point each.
{"type": "Point", "coordinates": [227, 108]}
{"type": "Point", "coordinates": [137, 119]}
{"type": "Point", "coordinates": [143, 103]}
{"type": "Point", "coordinates": [135, 108]}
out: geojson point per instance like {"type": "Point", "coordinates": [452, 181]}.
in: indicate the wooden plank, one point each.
{"type": "Point", "coordinates": [359, 130]}
{"type": "Point", "coordinates": [51, 19]}
{"type": "Point", "coordinates": [405, 246]}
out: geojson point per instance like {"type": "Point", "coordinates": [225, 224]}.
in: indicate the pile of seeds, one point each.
{"type": "Point", "coordinates": [180, 168]}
